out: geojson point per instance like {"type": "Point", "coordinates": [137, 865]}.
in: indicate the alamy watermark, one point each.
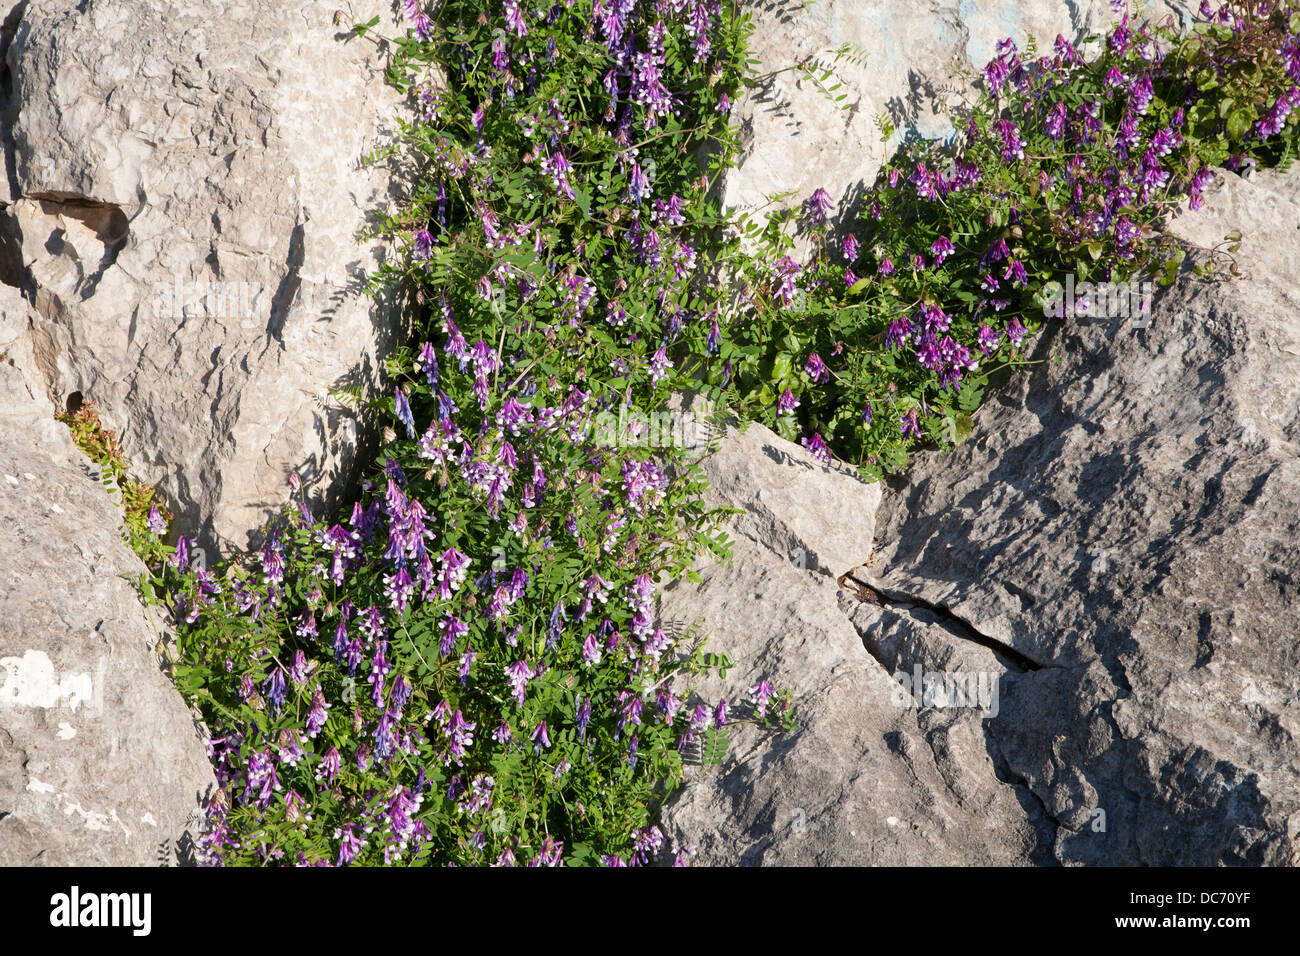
{"type": "Point", "coordinates": [210, 299]}
{"type": "Point", "coordinates": [128, 910]}
{"type": "Point", "coordinates": [942, 689]}
{"type": "Point", "coordinates": [630, 427]}
{"type": "Point", "coordinates": [1099, 300]}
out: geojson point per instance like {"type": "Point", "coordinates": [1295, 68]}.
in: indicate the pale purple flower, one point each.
{"type": "Point", "coordinates": [403, 408]}
{"type": "Point", "coordinates": [817, 448]}
{"type": "Point", "coordinates": [540, 738]}
{"type": "Point", "coordinates": [817, 369]}
{"type": "Point", "coordinates": [154, 522]}
{"type": "Point", "coordinates": [819, 206]}
{"type": "Point", "coordinates": [518, 674]}
{"type": "Point", "coordinates": [515, 18]}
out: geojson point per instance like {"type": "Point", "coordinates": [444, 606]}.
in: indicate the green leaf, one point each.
{"type": "Point", "coordinates": [1239, 123]}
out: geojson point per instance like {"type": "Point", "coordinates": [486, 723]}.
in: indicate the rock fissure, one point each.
{"type": "Point", "coordinates": [953, 623]}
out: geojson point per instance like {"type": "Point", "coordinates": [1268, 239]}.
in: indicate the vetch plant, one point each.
{"type": "Point", "coordinates": [466, 669]}
{"type": "Point", "coordinates": [1065, 165]}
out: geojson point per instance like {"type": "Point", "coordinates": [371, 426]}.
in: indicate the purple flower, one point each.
{"type": "Point", "coordinates": [638, 187]}
{"type": "Point", "coordinates": [817, 448]}
{"type": "Point", "coordinates": [784, 271]}
{"type": "Point", "coordinates": [328, 767]}
{"type": "Point", "coordinates": [787, 403]}
{"type": "Point", "coordinates": [460, 734]}
{"type": "Point", "coordinates": [1054, 125]}
{"type": "Point", "coordinates": [850, 247]}
{"type": "Point", "coordinates": [909, 424]}
{"type": "Point", "coordinates": [403, 408]}
{"type": "Point", "coordinates": [299, 669]}
{"type": "Point", "coordinates": [1015, 331]}
{"type": "Point", "coordinates": [518, 674]}
{"type": "Point", "coordinates": [515, 18]}
{"type": "Point", "coordinates": [558, 166]}
{"type": "Point", "coordinates": [455, 566]}
{"type": "Point", "coordinates": [1009, 133]}
{"type": "Point", "coordinates": [155, 522]}
{"type": "Point", "coordinates": [274, 688]}
{"type": "Point", "coordinates": [886, 267]}
{"type": "Point", "coordinates": [720, 714]}
{"type": "Point", "coordinates": [760, 693]}
{"type": "Point", "coordinates": [817, 369]}
{"type": "Point", "coordinates": [897, 334]}
{"type": "Point", "coordinates": [659, 365]}
{"type": "Point", "coordinates": [540, 738]}
{"type": "Point", "coordinates": [466, 660]}
{"type": "Point", "coordinates": [423, 248]}
{"type": "Point", "coordinates": [988, 339]}
{"type": "Point", "coordinates": [290, 749]}
{"type": "Point", "coordinates": [1143, 93]}
{"type": "Point", "coordinates": [260, 780]}
{"type": "Point", "coordinates": [819, 206]}
{"type": "Point", "coordinates": [350, 844]}
{"type": "Point", "coordinates": [316, 716]}
{"type": "Point", "coordinates": [995, 253]}
{"type": "Point", "coordinates": [583, 717]}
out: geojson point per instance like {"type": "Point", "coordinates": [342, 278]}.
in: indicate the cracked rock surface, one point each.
{"type": "Point", "coordinates": [1128, 517]}
{"type": "Point", "coordinates": [1113, 557]}
{"type": "Point", "coordinates": [183, 197]}
{"type": "Point", "coordinates": [101, 763]}
{"type": "Point", "coordinates": [866, 779]}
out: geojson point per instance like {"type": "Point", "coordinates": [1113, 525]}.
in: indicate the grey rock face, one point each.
{"type": "Point", "coordinates": [186, 193]}
{"type": "Point", "coordinates": [868, 778]}
{"type": "Point", "coordinates": [1111, 558]}
{"type": "Point", "coordinates": [101, 762]}
{"type": "Point", "coordinates": [1127, 518]}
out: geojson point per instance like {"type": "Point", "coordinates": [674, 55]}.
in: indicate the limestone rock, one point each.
{"type": "Point", "coordinates": [1127, 517]}
{"type": "Point", "coordinates": [867, 778]}
{"type": "Point", "coordinates": [187, 191]}
{"type": "Point", "coordinates": [101, 762]}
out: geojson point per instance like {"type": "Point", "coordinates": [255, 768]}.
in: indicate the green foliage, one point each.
{"type": "Point", "coordinates": [101, 446]}
{"type": "Point", "coordinates": [1061, 167]}
{"type": "Point", "coordinates": [370, 702]}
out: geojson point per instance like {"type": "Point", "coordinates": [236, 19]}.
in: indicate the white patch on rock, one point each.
{"type": "Point", "coordinates": [30, 681]}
